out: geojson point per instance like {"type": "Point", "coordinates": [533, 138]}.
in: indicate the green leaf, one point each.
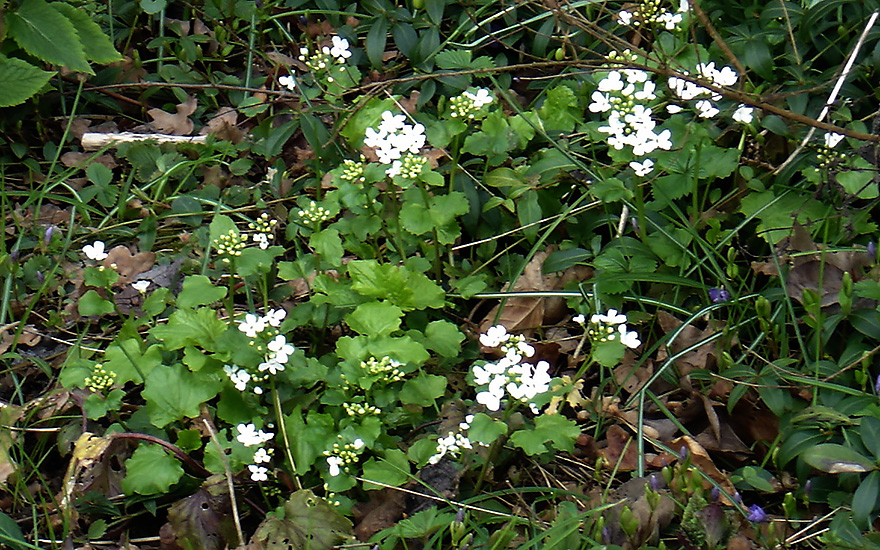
{"type": "Point", "coordinates": [199, 327]}
{"type": "Point", "coordinates": [485, 429]}
{"type": "Point", "coordinates": [393, 469]}
{"type": "Point", "coordinates": [222, 225]}
{"type": "Point", "coordinates": [423, 390]}
{"type": "Point", "coordinates": [528, 211]}
{"type": "Point", "coordinates": [560, 260]}
{"type": "Point", "coordinates": [152, 7]}
{"type": "Point", "coordinates": [836, 459]}
{"type": "Point", "coordinates": [91, 303]}
{"type": "Point", "coordinates": [11, 535]}
{"type": "Point", "coordinates": [19, 81]}
{"type": "Point", "coordinates": [608, 354]}
{"type": "Point", "coordinates": [173, 393]}
{"type": "Point", "coordinates": [375, 43]}
{"type": "Point", "coordinates": [555, 430]}
{"type": "Point", "coordinates": [97, 46]}
{"type": "Point", "coordinates": [444, 338]}
{"type": "Point", "coordinates": [870, 434]}
{"type": "Point", "coordinates": [858, 183]}
{"type": "Point", "coordinates": [560, 111]}
{"type": "Point", "coordinates": [199, 291]}
{"type": "Point", "coordinates": [124, 357]}
{"type": "Point", "coordinates": [375, 319]}
{"type": "Point", "coordinates": [328, 245]}
{"type": "Point", "coordinates": [461, 59]}
{"type": "Point", "coordinates": [44, 33]}
{"type": "Point", "coordinates": [611, 190]}
{"type": "Point", "coordinates": [150, 471]}
{"type": "Point", "coordinates": [257, 261]}
{"type": "Point", "coordinates": [397, 284]}
{"type": "Point", "coordinates": [307, 522]}
{"type": "Point", "coordinates": [865, 499]}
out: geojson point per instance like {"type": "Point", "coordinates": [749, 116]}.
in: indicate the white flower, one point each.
{"type": "Point", "coordinates": [670, 21]}
{"type": "Point", "coordinates": [395, 169]}
{"type": "Point", "coordinates": [481, 98]}
{"type": "Point", "coordinates": [287, 81]}
{"type": "Point", "coordinates": [334, 462]}
{"type": "Point", "coordinates": [611, 318]}
{"type": "Point", "coordinates": [725, 77]}
{"type": "Point", "coordinates": [141, 286]}
{"type": "Point", "coordinates": [490, 399]}
{"type": "Point", "coordinates": [339, 48]}
{"type": "Point", "coordinates": [274, 317]}
{"type": "Point", "coordinates": [611, 83]}
{"type": "Point", "coordinates": [273, 366]}
{"type": "Point", "coordinates": [629, 339]}
{"type": "Point", "coordinates": [684, 6]}
{"type": "Point", "coordinates": [706, 109]}
{"type": "Point", "coordinates": [743, 114]}
{"type": "Point", "coordinates": [391, 123]}
{"type": "Point", "coordinates": [579, 319]}
{"type": "Point", "coordinates": [624, 18]}
{"type": "Point", "coordinates": [95, 251]}
{"type": "Point", "coordinates": [358, 443]}
{"type": "Point", "coordinates": [642, 169]}
{"type": "Point", "coordinates": [281, 349]}
{"type": "Point", "coordinates": [252, 325]}
{"type": "Point", "coordinates": [494, 336]}
{"type": "Point", "coordinates": [239, 377]}
{"type": "Point", "coordinates": [601, 102]}
{"type": "Point", "coordinates": [258, 473]}
{"type": "Point", "coordinates": [831, 141]}
{"type": "Point", "coordinates": [249, 436]}
{"type": "Point", "coordinates": [673, 109]}
{"type": "Point", "coordinates": [261, 456]}
{"type": "Point", "coordinates": [262, 240]}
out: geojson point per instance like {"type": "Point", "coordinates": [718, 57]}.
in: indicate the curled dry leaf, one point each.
{"type": "Point", "coordinates": [176, 124]}
{"type": "Point", "coordinates": [700, 458]}
{"type": "Point", "coordinates": [128, 265]}
{"type": "Point", "coordinates": [621, 450]}
{"type": "Point", "coordinates": [702, 357]}
{"type": "Point", "coordinates": [83, 160]}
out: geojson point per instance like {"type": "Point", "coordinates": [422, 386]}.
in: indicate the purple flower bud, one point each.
{"type": "Point", "coordinates": [877, 385]}
{"type": "Point", "coordinates": [47, 236]}
{"type": "Point", "coordinates": [718, 295]}
{"type": "Point", "coordinates": [14, 255]}
{"type": "Point", "coordinates": [872, 250]}
{"type": "Point", "coordinates": [459, 516]}
{"type": "Point", "coordinates": [737, 498]}
{"type": "Point", "coordinates": [606, 535]}
{"type": "Point", "coordinates": [716, 493]}
{"type": "Point", "coordinates": [807, 487]}
{"type": "Point", "coordinates": [756, 514]}
{"type": "Point", "coordinates": [40, 276]}
{"type": "Point", "coordinates": [683, 453]}
{"type": "Point", "coordinates": [654, 482]}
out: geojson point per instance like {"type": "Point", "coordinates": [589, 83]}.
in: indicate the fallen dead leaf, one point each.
{"type": "Point", "coordinates": [702, 357]}
{"type": "Point", "coordinates": [83, 160]}
{"type": "Point", "coordinates": [202, 520]}
{"type": "Point", "coordinates": [128, 265]}
{"type": "Point", "coordinates": [621, 450]}
{"type": "Point", "coordinates": [384, 509]}
{"type": "Point", "coordinates": [701, 459]}
{"type": "Point", "coordinates": [176, 124]}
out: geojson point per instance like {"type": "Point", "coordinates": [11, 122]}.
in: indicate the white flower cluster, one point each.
{"type": "Point", "coordinates": [827, 155]}
{"type": "Point", "coordinates": [95, 251]}
{"type": "Point", "coordinates": [454, 442]}
{"type": "Point", "coordinates": [287, 81]}
{"type": "Point", "coordinates": [831, 140]}
{"type": "Point", "coordinates": [254, 324]}
{"type": "Point", "coordinates": [409, 167]}
{"type": "Point", "coordinates": [341, 455]}
{"type": "Point", "coordinates": [337, 52]}
{"type": "Point", "coordinates": [314, 214]}
{"type": "Point", "coordinates": [509, 375]}
{"type": "Point", "coordinates": [687, 90]}
{"type": "Point", "coordinates": [609, 327]}
{"type": "Point", "coordinates": [278, 351]}
{"type": "Point", "coordinates": [649, 12]}
{"type": "Point", "coordinates": [623, 94]}
{"type": "Point", "coordinates": [263, 227]}
{"type": "Point", "coordinates": [468, 104]}
{"type": "Point", "coordinates": [394, 137]}
{"type": "Point", "coordinates": [249, 436]}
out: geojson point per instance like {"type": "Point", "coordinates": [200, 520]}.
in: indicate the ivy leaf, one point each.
{"type": "Point", "coordinates": [19, 81]}
{"type": "Point", "coordinates": [375, 319]}
{"type": "Point", "coordinates": [555, 429]}
{"type": "Point", "coordinates": [173, 393]}
{"type": "Point", "coordinates": [485, 429]}
{"type": "Point", "coordinates": [185, 327]}
{"type": "Point", "coordinates": [393, 469]}
{"type": "Point", "coordinates": [150, 471]}
{"type": "Point", "coordinates": [199, 291]}
{"type": "Point", "coordinates": [44, 33]}
{"type": "Point", "coordinates": [306, 522]}
{"type": "Point", "coordinates": [91, 303]}
{"type": "Point", "coordinates": [423, 390]}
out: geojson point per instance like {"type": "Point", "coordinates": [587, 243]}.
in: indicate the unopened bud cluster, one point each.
{"type": "Point", "coordinates": [100, 379]}
{"type": "Point", "coordinates": [343, 454]}
{"type": "Point", "coordinates": [385, 366]}
{"type": "Point", "coordinates": [353, 171]}
{"type": "Point", "coordinates": [409, 167]}
{"type": "Point", "coordinates": [314, 214]}
{"type": "Point", "coordinates": [360, 409]}
{"type": "Point", "coordinates": [230, 244]}
{"type": "Point", "coordinates": [468, 104]}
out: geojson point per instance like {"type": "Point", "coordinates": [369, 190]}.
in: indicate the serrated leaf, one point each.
{"type": "Point", "coordinates": [444, 338]}
{"type": "Point", "coordinates": [187, 327]}
{"type": "Point", "coordinates": [308, 522]}
{"type": "Point", "coordinates": [173, 393]}
{"type": "Point", "coordinates": [555, 430]}
{"type": "Point", "coordinates": [43, 32]}
{"type": "Point", "coordinates": [150, 471]}
{"type": "Point", "coordinates": [97, 46]}
{"type": "Point", "coordinates": [19, 81]}
{"type": "Point", "coordinates": [836, 459]}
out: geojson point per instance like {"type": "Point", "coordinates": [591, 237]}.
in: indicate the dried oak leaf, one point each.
{"type": "Point", "coordinates": [702, 357]}
{"type": "Point", "coordinates": [176, 124]}
{"type": "Point", "coordinates": [83, 160]}
{"type": "Point", "coordinates": [128, 265]}
{"type": "Point", "coordinates": [309, 522]}
{"type": "Point", "coordinates": [524, 314]}
{"type": "Point", "coordinates": [223, 124]}
{"type": "Point", "coordinates": [29, 337]}
{"type": "Point", "coordinates": [384, 509]}
{"type": "Point", "coordinates": [203, 519]}
{"type": "Point", "coordinates": [621, 450]}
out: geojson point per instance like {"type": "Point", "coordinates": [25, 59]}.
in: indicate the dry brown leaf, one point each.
{"type": "Point", "coordinates": [83, 160]}
{"type": "Point", "coordinates": [384, 510]}
{"type": "Point", "coordinates": [176, 124]}
{"type": "Point", "coordinates": [702, 357]}
{"type": "Point", "coordinates": [127, 265]}
{"type": "Point", "coordinates": [632, 378]}
{"type": "Point", "coordinates": [29, 336]}
{"type": "Point", "coordinates": [223, 124]}
{"type": "Point", "coordinates": [621, 451]}
{"type": "Point", "coordinates": [700, 458]}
